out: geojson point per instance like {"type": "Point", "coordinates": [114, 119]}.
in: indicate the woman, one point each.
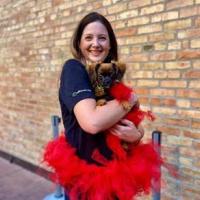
{"type": "Point", "coordinates": [84, 122]}
{"type": "Point", "coordinates": [93, 41]}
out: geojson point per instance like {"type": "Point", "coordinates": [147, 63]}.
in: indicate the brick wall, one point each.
{"type": "Point", "coordinates": [159, 40]}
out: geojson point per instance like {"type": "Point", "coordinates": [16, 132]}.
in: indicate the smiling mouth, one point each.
{"type": "Point", "coordinates": [95, 53]}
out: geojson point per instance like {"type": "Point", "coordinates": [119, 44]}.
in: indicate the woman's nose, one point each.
{"type": "Point", "coordinates": [95, 42]}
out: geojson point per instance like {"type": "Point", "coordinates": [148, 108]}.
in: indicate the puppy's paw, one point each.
{"type": "Point", "coordinates": [101, 102]}
{"type": "Point", "coordinates": [126, 105]}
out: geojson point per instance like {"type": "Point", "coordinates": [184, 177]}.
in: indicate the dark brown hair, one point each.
{"type": "Point", "coordinates": [89, 18]}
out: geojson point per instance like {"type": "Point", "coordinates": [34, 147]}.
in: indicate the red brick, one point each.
{"type": "Point", "coordinates": [57, 2]}
{"type": "Point", "coordinates": [192, 74]}
{"type": "Point", "coordinates": [188, 54]}
{"type": "Point", "coordinates": [196, 124]}
{"type": "Point", "coordinates": [196, 144]}
{"type": "Point", "coordinates": [126, 32]}
{"type": "Point", "coordinates": [143, 100]}
{"type": "Point", "coordinates": [177, 122]}
{"type": "Point", "coordinates": [164, 56]}
{"type": "Point", "coordinates": [197, 22]}
{"type": "Point", "coordinates": [169, 131]}
{"type": "Point", "coordinates": [155, 101]}
{"type": "Point", "coordinates": [142, 91]}
{"type": "Point", "coordinates": [168, 102]}
{"type": "Point", "coordinates": [195, 93]}
{"type": "Point", "coordinates": [162, 92]}
{"type": "Point", "coordinates": [178, 4]}
{"type": "Point", "coordinates": [188, 12]}
{"type": "Point", "coordinates": [173, 84]}
{"type": "Point", "coordinates": [195, 104]}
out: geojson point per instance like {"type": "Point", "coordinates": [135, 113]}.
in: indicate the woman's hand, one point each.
{"type": "Point", "coordinates": [127, 131]}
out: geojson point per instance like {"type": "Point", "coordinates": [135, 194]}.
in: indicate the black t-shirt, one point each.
{"type": "Point", "coordinates": [75, 86]}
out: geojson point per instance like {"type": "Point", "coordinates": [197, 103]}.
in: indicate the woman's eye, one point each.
{"type": "Point", "coordinates": [88, 38]}
{"type": "Point", "coordinates": [102, 38]}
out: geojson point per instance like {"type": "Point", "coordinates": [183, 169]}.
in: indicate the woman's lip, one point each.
{"type": "Point", "coordinates": [95, 52]}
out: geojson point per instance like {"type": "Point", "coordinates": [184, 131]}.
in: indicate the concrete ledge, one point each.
{"type": "Point", "coordinates": [26, 165]}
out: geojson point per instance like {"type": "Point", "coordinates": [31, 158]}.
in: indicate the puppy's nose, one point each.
{"type": "Point", "coordinates": [107, 81]}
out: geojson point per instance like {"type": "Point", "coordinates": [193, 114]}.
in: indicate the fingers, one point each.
{"type": "Point", "coordinates": [127, 131]}
{"type": "Point", "coordinates": [127, 122]}
{"type": "Point", "coordinates": [114, 131]}
{"type": "Point", "coordinates": [133, 98]}
{"type": "Point", "coordinates": [141, 130]}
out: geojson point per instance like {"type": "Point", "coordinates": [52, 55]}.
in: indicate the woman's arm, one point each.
{"type": "Point", "coordinates": [94, 119]}
{"type": "Point", "coordinates": [76, 93]}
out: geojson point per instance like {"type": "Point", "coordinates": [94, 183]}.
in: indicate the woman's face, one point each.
{"type": "Point", "coordinates": [95, 42]}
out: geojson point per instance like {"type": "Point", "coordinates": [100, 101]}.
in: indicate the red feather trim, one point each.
{"type": "Point", "coordinates": [122, 178]}
{"type": "Point", "coordinates": [121, 92]}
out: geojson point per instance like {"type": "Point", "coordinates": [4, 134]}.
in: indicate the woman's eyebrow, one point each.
{"type": "Point", "coordinates": [101, 34]}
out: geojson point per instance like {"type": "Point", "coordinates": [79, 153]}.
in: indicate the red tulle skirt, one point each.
{"type": "Point", "coordinates": [121, 178]}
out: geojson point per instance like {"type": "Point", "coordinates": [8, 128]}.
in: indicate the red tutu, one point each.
{"type": "Point", "coordinates": [122, 178]}
{"type": "Point", "coordinates": [128, 174]}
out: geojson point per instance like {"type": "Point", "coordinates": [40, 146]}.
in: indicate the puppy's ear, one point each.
{"type": "Point", "coordinates": [91, 69]}
{"type": "Point", "coordinates": [121, 68]}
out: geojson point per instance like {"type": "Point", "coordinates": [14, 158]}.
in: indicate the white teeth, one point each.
{"type": "Point", "coordinates": [95, 52]}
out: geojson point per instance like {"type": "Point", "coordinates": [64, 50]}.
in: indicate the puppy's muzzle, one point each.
{"type": "Point", "coordinates": [107, 81]}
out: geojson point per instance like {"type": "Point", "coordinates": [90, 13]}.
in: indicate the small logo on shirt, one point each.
{"type": "Point", "coordinates": [80, 91]}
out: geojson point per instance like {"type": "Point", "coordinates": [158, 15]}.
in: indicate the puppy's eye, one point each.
{"type": "Point", "coordinates": [112, 73]}
{"type": "Point", "coordinates": [100, 77]}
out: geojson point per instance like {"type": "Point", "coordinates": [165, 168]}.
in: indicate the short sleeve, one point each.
{"type": "Point", "coordinates": [75, 84]}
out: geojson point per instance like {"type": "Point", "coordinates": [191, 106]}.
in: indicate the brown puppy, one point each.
{"type": "Point", "coordinates": [103, 76]}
